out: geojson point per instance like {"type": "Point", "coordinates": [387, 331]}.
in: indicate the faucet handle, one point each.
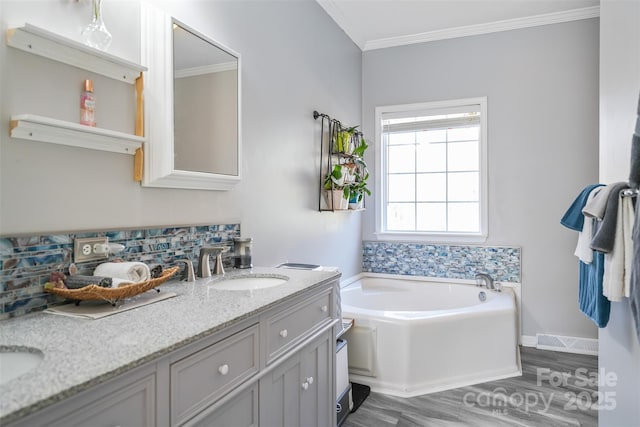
{"type": "Point", "coordinates": [219, 267]}
{"type": "Point", "coordinates": [190, 276]}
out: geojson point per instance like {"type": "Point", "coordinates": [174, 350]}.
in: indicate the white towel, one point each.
{"type": "Point", "coordinates": [583, 248]}
{"type": "Point", "coordinates": [116, 283]}
{"type": "Point", "coordinates": [130, 271]}
{"type": "Point", "coordinates": [618, 262]}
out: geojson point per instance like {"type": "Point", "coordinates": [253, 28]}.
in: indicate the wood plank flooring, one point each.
{"type": "Point", "coordinates": [555, 389]}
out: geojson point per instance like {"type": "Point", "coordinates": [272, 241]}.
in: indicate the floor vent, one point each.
{"type": "Point", "coordinates": [567, 344]}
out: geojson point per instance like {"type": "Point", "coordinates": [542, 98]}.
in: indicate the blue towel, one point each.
{"type": "Point", "coordinates": [573, 218]}
{"type": "Point", "coordinates": [590, 299]}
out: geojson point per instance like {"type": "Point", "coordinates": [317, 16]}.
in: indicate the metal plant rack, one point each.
{"type": "Point", "coordinates": [329, 157]}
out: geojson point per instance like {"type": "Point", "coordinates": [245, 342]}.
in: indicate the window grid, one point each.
{"type": "Point", "coordinates": [447, 174]}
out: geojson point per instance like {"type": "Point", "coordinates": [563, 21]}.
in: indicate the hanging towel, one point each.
{"type": "Point", "coordinates": [590, 299]}
{"type": "Point", "coordinates": [634, 286]}
{"type": "Point", "coordinates": [583, 248]}
{"type": "Point", "coordinates": [592, 303]}
{"type": "Point", "coordinates": [634, 172]}
{"type": "Point", "coordinates": [634, 291]}
{"type": "Point", "coordinates": [618, 262]}
{"type": "Point", "coordinates": [129, 271]}
{"type": "Point", "coordinates": [573, 218]}
{"type": "Point", "coordinates": [604, 238]}
{"type": "Point", "coordinates": [595, 207]}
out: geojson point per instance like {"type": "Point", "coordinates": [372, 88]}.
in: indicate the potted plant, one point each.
{"type": "Point", "coordinates": [343, 139]}
{"type": "Point", "coordinates": [337, 193]}
{"type": "Point", "coordinates": [358, 188]}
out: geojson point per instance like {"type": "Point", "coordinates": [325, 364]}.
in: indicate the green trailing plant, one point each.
{"type": "Point", "coordinates": [335, 181]}
{"type": "Point", "coordinates": [358, 188]}
{"type": "Point", "coordinates": [361, 148]}
{"type": "Point", "coordinates": [343, 139]}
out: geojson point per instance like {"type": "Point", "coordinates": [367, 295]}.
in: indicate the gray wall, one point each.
{"type": "Point", "coordinates": [619, 350]}
{"type": "Point", "coordinates": [295, 60]}
{"type": "Point", "coordinates": [541, 85]}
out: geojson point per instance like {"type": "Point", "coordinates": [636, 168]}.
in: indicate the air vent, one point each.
{"type": "Point", "coordinates": [567, 344]}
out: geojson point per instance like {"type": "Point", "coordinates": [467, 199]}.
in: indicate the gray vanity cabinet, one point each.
{"type": "Point", "coordinates": [274, 368]}
{"type": "Point", "coordinates": [299, 391]}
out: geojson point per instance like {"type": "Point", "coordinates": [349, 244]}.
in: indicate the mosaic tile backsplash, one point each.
{"type": "Point", "coordinates": [27, 261]}
{"type": "Point", "coordinates": [442, 261]}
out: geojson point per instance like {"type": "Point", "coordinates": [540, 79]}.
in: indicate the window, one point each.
{"type": "Point", "coordinates": [432, 170]}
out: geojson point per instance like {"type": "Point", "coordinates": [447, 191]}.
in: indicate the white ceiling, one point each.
{"type": "Point", "coordinates": [374, 24]}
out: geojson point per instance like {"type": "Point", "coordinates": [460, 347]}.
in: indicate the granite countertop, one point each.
{"type": "Point", "coordinates": [81, 353]}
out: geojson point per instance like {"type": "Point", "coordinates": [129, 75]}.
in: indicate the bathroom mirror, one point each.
{"type": "Point", "coordinates": [192, 107]}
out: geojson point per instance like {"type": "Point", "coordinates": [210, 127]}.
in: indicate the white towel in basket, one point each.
{"type": "Point", "coordinates": [129, 271]}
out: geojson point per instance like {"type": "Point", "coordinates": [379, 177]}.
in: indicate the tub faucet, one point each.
{"type": "Point", "coordinates": [483, 279]}
{"type": "Point", "coordinates": [203, 260]}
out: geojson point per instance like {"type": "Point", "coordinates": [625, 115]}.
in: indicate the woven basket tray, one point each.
{"type": "Point", "coordinates": [95, 292]}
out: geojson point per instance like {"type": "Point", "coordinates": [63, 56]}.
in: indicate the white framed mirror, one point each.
{"type": "Point", "coordinates": [192, 107]}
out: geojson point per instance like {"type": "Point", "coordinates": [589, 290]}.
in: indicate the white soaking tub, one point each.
{"type": "Point", "coordinates": [412, 337]}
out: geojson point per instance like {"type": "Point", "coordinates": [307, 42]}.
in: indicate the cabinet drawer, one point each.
{"type": "Point", "coordinates": [198, 380]}
{"type": "Point", "coordinates": [289, 327]}
{"type": "Point", "coordinates": [132, 405]}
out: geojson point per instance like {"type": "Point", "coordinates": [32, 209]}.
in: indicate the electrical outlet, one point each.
{"type": "Point", "coordinates": [88, 249]}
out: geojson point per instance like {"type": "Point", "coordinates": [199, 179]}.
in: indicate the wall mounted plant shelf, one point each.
{"type": "Point", "coordinates": [343, 171]}
{"type": "Point", "coordinates": [45, 129]}
{"type": "Point", "coordinates": [41, 42]}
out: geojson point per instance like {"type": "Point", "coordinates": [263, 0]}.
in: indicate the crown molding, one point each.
{"type": "Point", "coordinates": [336, 14]}
{"type": "Point", "coordinates": [206, 69]}
{"type": "Point", "coordinates": [490, 27]}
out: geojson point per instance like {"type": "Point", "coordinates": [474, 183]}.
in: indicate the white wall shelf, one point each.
{"type": "Point", "coordinates": [45, 129]}
{"type": "Point", "coordinates": [44, 43]}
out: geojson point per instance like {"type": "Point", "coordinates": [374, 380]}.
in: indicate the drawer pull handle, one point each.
{"type": "Point", "coordinates": [305, 385]}
{"type": "Point", "coordinates": [324, 308]}
{"type": "Point", "coordinates": [310, 380]}
{"type": "Point", "coordinates": [284, 333]}
{"type": "Point", "coordinates": [224, 369]}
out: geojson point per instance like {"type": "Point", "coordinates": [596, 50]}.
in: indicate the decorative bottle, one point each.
{"type": "Point", "coordinates": [87, 105]}
{"type": "Point", "coordinates": [96, 34]}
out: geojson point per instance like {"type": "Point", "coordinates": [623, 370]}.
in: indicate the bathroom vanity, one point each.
{"type": "Point", "coordinates": [207, 357]}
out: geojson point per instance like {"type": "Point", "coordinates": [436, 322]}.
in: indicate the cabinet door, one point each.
{"type": "Point", "coordinates": [317, 400]}
{"type": "Point", "coordinates": [241, 411]}
{"type": "Point", "coordinates": [299, 392]}
{"type": "Point", "coordinates": [280, 395]}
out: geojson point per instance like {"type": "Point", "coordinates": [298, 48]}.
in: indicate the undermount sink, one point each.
{"type": "Point", "coordinates": [249, 282]}
{"type": "Point", "coordinates": [16, 362]}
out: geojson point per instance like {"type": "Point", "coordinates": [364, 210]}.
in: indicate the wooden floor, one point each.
{"type": "Point", "coordinates": [555, 389]}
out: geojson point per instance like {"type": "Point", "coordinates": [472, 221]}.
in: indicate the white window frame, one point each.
{"type": "Point", "coordinates": [380, 176]}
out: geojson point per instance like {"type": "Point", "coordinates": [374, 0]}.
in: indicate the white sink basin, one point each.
{"type": "Point", "coordinates": [250, 282]}
{"type": "Point", "coordinates": [14, 363]}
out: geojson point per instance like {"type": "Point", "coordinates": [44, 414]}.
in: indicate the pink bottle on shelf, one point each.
{"type": "Point", "coordinates": [87, 105]}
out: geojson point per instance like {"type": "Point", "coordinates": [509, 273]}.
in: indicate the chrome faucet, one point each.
{"type": "Point", "coordinates": [203, 260]}
{"type": "Point", "coordinates": [483, 279]}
